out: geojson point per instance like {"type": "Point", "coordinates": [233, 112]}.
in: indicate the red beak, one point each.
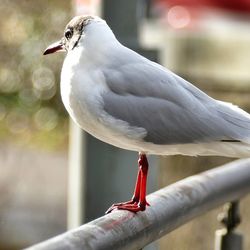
{"type": "Point", "coordinates": [57, 46]}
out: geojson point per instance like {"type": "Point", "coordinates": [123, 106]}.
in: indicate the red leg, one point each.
{"type": "Point", "coordinates": [138, 201]}
{"type": "Point", "coordinates": [135, 198]}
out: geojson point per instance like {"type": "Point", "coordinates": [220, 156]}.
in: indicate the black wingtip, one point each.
{"type": "Point", "coordinates": [230, 140]}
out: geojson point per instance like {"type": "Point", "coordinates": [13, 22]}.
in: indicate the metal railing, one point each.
{"type": "Point", "coordinates": [170, 208]}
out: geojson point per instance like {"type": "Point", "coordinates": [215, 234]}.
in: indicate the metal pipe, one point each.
{"type": "Point", "coordinates": [170, 208]}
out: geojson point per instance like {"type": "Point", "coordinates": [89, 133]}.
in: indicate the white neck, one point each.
{"type": "Point", "coordinates": [97, 40]}
{"type": "Point", "coordinates": [95, 45]}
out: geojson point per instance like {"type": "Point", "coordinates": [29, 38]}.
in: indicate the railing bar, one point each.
{"type": "Point", "coordinates": [170, 208]}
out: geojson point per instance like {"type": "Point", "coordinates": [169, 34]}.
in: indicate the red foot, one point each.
{"type": "Point", "coordinates": [132, 206]}
{"type": "Point", "coordinates": [138, 202]}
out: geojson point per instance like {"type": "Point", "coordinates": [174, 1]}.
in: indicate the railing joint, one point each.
{"type": "Point", "coordinates": [227, 238]}
{"type": "Point", "coordinates": [230, 218]}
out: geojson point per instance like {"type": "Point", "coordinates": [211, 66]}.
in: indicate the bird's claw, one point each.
{"type": "Point", "coordinates": [132, 206]}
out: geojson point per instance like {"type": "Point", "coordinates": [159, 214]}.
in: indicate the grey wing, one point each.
{"type": "Point", "coordinates": [170, 109]}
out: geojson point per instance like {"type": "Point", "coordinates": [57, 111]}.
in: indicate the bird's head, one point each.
{"type": "Point", "coordinates": [76, 30]}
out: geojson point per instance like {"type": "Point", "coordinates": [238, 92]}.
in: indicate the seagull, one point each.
{"type": "Point", "coordinates": [128, 101]}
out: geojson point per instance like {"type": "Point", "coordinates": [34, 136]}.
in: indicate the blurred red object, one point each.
{"type": "Point", "coordinates": [227, 5]}
{"type": "Point", "coordinates": [188, 13]}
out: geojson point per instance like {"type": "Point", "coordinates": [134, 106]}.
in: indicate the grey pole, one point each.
{"type": "Point", "coordinates": [170, 208]}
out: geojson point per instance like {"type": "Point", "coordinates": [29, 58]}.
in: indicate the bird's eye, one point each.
{"type": "Point", "coordinates": [68, 34]}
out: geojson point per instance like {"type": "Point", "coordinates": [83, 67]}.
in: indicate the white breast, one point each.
{"type": "Point", "coordinates": [82, 86]}
{"type": "Point", "coordinates": [80, 91]}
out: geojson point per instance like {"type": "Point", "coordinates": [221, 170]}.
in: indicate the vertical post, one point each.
{"type": "Point", "coordinates": [227, 238]}
{"type": "Point", "coordinates": [124, 19]}
{"type": "Point", "coordinates": [77, 183]}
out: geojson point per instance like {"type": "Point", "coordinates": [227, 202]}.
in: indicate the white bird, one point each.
{"type": "Point", "coordinates": [126, 100]}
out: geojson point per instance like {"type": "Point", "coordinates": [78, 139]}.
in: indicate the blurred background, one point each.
{"type": "Point", "coordinates": [33, 123]}
{"type": "Point", "coordinates": [204, 41]}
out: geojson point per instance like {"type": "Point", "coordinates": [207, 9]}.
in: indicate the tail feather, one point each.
{"type": "Point", "coordinates": [238, 121]}
{"type": "Point", "coordinates": [227, 149]}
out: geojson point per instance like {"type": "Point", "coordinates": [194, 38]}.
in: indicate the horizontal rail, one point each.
{"type": "Point", "coordinates": [170, 208]}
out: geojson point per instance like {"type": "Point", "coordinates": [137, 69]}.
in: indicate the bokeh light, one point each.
{"type": "Point", "coordinates": [44, 83]}
{"type": "Point", "coordinates": [178, 17]}
{"type": "Point", "coordinates": [27, 98]}
{"type": "Point", "coordinates": [17, 121]}
{"type": "Point", "coordinates": [13, 30]}
{"type": "Point", "coordinates": [46, 119]}
{"type": "Point", "coordinates": [9, 80]}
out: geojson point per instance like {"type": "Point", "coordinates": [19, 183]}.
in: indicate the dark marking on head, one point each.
{"type": "Point", "coordinates": [74, 31]}
{"type": "Point", "coordinates": [78, 23]}
{"type": "Point", "coordinates": [72, 35]}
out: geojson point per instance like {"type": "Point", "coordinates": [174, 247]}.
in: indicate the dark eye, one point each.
{"type": "Point", "coordinates": [68, 34]}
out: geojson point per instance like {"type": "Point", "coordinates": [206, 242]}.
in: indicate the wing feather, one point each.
{"type": "Point", "coordinates": [173, 111]}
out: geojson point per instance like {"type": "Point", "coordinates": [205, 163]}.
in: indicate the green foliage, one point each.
{"type": "Point", "coordinates": [30, 105]}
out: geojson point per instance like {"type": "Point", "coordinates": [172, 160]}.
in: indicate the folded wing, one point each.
{"type": "Point", "coordinates": [170, 109]}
